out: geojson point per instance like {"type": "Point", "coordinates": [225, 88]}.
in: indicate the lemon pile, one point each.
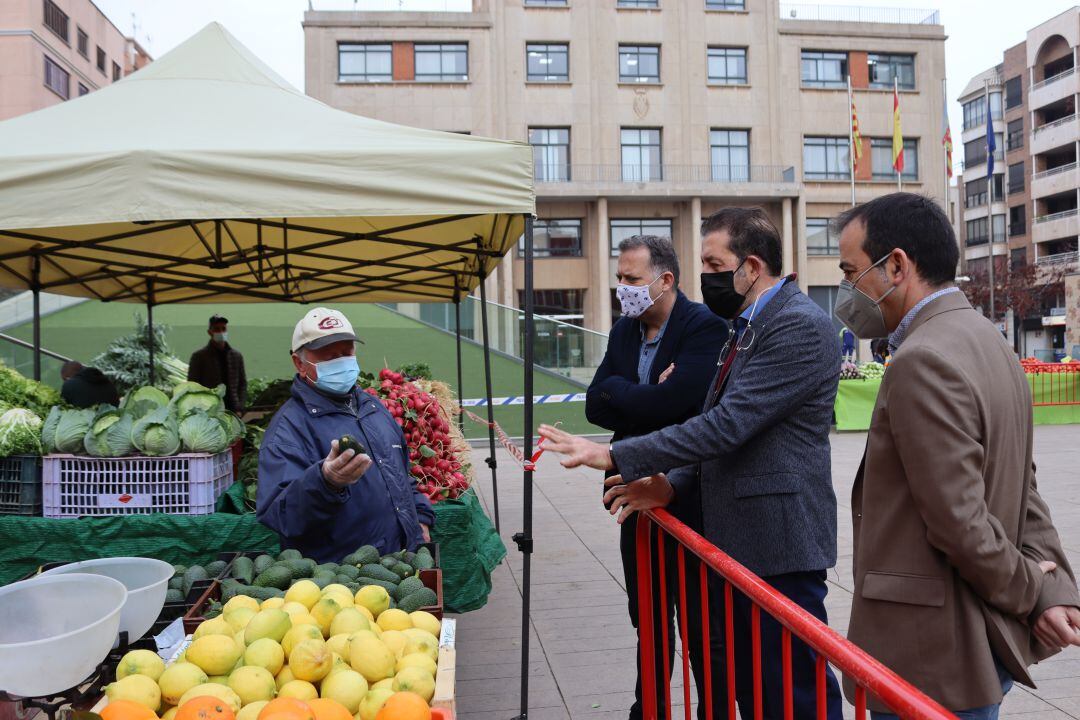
{"type": "Point", "coordinates": [310, 644]}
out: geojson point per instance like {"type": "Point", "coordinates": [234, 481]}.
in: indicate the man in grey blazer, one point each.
{"type": "Point", "coordinates": [759, 450]}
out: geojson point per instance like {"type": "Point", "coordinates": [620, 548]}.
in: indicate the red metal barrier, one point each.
{"type": "Point", "coordinates": [1053, 383]}
{"type": "Point", "coordinates": [869, 674]}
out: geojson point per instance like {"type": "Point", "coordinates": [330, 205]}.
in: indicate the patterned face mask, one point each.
{"type": "Point", "coordinates": [635, 299]}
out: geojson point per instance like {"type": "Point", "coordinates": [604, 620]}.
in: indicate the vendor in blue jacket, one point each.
{"type": "Point", "coordinates": [320, 501]}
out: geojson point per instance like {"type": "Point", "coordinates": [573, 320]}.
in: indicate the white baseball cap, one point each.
{"type": "Point", "coordinates": [320, 327]}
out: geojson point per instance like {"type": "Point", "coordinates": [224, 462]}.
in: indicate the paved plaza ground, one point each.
{"type": "Point", "coordinates": [582, 662]}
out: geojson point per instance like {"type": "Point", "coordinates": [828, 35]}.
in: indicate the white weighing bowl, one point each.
{"type": "Point", "coordinates": [55, 630]}
{"type": "Point", "coordinates": [146, 580]}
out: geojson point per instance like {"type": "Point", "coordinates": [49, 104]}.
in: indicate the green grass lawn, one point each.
{"type": "Point", "coordinates": [262, 331]}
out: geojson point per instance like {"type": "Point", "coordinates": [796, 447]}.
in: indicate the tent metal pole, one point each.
{"type": "Point", "coordinates": [524, 539]}
{"type": "Point", "coordinates": [35, 278]}
{"type": "Point", "coordinates": [492, 463]}
{"type": "Point", "coordinates": [150, 324]}
{"type": "Point", "coordinates": [460, 386]}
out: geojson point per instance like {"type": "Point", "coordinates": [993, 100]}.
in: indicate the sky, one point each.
{"type": "Point", "coordinates": [978, 32]}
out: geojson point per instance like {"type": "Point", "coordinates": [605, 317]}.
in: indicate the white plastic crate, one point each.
{"type": "Point", "coordinates": [187, 484]}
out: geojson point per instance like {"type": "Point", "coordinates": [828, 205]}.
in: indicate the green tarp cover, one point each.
{"type": "Point", "coordinates": [855, 400]}
{"type": "Point", "coordinates": [469, 550]}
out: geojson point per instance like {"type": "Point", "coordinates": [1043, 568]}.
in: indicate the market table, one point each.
{"type": "Point", "coordinates": [855, 400]}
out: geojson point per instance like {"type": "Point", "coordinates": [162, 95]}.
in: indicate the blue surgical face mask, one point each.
{"type": "Point", "coordinates": [221, 337]}
{"type": "Point", "coordinates": [337, 376]}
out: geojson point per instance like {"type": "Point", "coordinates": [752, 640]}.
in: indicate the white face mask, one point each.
{"type": "Point", "coordinates": [635, 299]}
{"type": "Point", "coordinates": [220, 337]}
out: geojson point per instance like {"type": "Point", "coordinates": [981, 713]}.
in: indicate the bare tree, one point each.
{"type": "Point", "coordinates": [1023, 289]}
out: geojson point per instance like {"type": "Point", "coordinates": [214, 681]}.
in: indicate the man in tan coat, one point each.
{"type": "Point", "coordinates": [960, 579]}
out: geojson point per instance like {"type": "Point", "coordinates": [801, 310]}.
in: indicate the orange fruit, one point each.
{"type": "Point", "coordinates": [327, 709]}
{"type": "Point", "coordinates": [404, 706]}
{"type": "Point", "coordinates": [127, 710]}
{"type": "Point", "coordinates": [286, 709]}
{"type": "Point", "coordinates": [205, 707]}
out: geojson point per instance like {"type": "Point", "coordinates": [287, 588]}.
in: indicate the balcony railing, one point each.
{"type": "Point", "coordinates": [846, 13]}
{"type": "Point", "coordinates": [1065, 258]}
{"type": "Point", "coordinates": [1052, 79]}
{"type": "Point", "coordinates": [1056, 123]}
{"type": "Point", "coordinates": [1054, 171]}
{"type": "Point", "coordinates": [1055, 216]}
{"type": "Point", "coordinates": [733, 174]}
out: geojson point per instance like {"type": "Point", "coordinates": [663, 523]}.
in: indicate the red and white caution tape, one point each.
{"type": "Point", "coordinates": [514, 450]}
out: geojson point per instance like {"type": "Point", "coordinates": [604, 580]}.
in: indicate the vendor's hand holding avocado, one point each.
{"type": "Point", "coordinates": [342, 468]}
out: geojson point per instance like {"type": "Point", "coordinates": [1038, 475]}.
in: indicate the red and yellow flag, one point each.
{"type": "Point", "coordinates": [946, 139]}
{"type": "Point", "coordinates": [897, 136]}
{"type": "Point", "coordinates": [856, 138]}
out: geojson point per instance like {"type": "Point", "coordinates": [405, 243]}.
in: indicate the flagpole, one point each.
{"type": "Point", "coordinates": [851, 138]}
{"type": "Point", "coordinates": [896, 95]}
{"type": "Point", "coordinates": [990, 201]}
{"type": "Point", "coordinates": [945, 114]}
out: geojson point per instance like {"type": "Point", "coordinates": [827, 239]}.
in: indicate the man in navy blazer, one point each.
{"type": "Point", "coordinates": [759, 449]}
{"type": "Point", "coordinates": [660, 356]}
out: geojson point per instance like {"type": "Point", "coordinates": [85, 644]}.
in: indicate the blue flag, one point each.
{"type": "Point", "coordinates": [991, 144]}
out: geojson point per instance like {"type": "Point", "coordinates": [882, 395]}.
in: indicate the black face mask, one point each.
{"type": "Point", "coordinates": [719, 293]}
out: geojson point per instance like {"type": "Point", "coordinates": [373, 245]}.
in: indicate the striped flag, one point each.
{"type": "Point", "coordinates": [856, 137]}
{"type": "Point", "coordinates": [897, 136]}
{"type": "Point", "coordinates": [946, 138]}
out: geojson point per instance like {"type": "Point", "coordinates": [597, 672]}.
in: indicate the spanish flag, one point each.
{"type": "Point", "coordinates": [946, 139]}
{"type": "Point", "coordinates": [856, 138]}
{"type": "Point", "coordinates": [897, 136]}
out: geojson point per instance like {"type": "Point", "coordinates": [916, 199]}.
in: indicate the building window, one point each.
{"type": "Point", "coordinates": [725, 4]}
{"type": "Point", "coordinates": [975, 151]}
{"type": "Point", "coordinates": [623, 228]}
{"type": "Point", "coordinates": [820, 238]}
{"type": "Point", "coordinates": [442, 62]}
{"type": "Point", "coordinates": [884, 69]}
{"type": "Point", "coordinates": [1017, 220]}
{"type": "Point", "coordinates": [978, 232]}
{"type": "Point", "coordinates": [1015, 134]}
{"type": "Point", "coordinates": [727, 66]}
{"type": "Point", "coordinates": [826, 158]}
{"type": "Point", "coordinates": [565, 305]}
{"type": "Point", "coordinates": [1014, 92]}
{"type": "Point", "coordinates": [824, 69]}
{"type": "Point", "coordinates": [83, 90]}
{"type": "Point", "coordinates": [554, 238]}
{"type": "Point", "coordinates": [551, 154]}
{"type": "Point", "coordinates": [57, 21]}
{"type": "Point", "coordinates": [100, 59]}
{"type": "Point", "coordinates": [730, 151]}
{"type": "Point", "coordinates": [881, 159]}
{"type": "Point", "coordinates": [1017, 257]}
{"type": "Point", "coordinates": [547, 63]}
{"type": "Point", "coordinates": [83, 43]}
{"type": "Point", "coordinates": [115, 72]}
{"type": "Point", "coordinates": [999, 227]}
{"type": "Point", "coordinates": [975, 110]}
{"type": "Point", "coordinates": [975, 191]}
{"type": "Point", "coordinates": [825, 297]}
{"type": "Point", "coordinates": [367, 62]}
{"type": "Point", "coordinates": [546, 3]}
{"type": "Point", "coordinates": [641, 155]}
{"type": "Point", "coordinates": [638, 3]}
{"type": "Point", "coordinates": [1016, 177]}
{"type": "Point", "coordinates": [639, 63]}
{"type": "Point", "coordinates": [57, 78]}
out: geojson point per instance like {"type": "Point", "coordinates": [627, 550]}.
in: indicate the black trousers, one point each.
{"type": "Point", "coordinates": [694, 623]}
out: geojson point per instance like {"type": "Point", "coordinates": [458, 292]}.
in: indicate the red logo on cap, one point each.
{"type": "Point", "coordinates": [329, 323]}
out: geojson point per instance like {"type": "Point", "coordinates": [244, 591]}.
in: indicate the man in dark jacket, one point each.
{"type": "Point", "coordinates": [86, 386]}
{"type": "Point", "coordinates": [760, 451]}
{"type": "Point", "coordinates": [219, 363]}
{"type": "Point", "coordinates": [324, 502]}
{"type": "Point", "coordinates": [660, 356]}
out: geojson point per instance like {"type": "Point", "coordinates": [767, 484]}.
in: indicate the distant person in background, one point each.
{"type": "Point", "coordinates": [880, 350]}
{"type": "Point", "coordinates": [86, 386]}
{"type": "Point", "coordinates": [220, 364]}
{"type": "Point", "coordinates": [847, 343]}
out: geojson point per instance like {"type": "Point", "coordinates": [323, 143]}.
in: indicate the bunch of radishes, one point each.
{"type": "Point", "coordinates": [433, 462]}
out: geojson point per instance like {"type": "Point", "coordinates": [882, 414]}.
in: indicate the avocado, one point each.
{"type": "Point", "coordinates": [243, 569]}
{"type": "Point", "coordinates": [215, 568]}
{"type": "Point", "coordinates": [348, 442]}
{"type": "Point", "coordinates": [300, 568]}
{"type": "Point", "coordinates": [275, 576]}
{"type": "Point", "coordinates": [389, 562]}
{"type": "Point", "coordinates": [176, 582]}
{"type": "Point", "coordinates": [421, 598]}
{"type": "Point", "coordinates": [378, 572]}
{"type": "Point", "coordinates": [262, 562]}
{"type": "Point", "coordinates": [408, 586]}
{"type": "Point", "coordinates": [327, 567]}
{"type": "Point", "coordinates": [173, 595]}
{"type": "Point", "coordinates": [192, 575]}
{"type": "Point", "coordinates": [402, 570]}
{"type": "Point", "coordinates": [365, 555]}
{"type": "Point", "coordinates": [389, 587]}
{"type": "Point", "coordinates": [349, 571]}
{"type": "Point", "coordinates": [290, 554]}
{"type": "Point", "coordinates": [423, 562]}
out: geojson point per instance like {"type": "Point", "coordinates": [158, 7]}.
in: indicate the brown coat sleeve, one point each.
{"type": "Point", "coordinates": [935, 426]}
{"type": "Point", "coordinates": [1041, 542]}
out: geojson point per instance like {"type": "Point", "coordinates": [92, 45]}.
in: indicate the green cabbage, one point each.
{"type": "Point", "coordinates": [202, 433]}
{"type": "Point", "coordinates": [143, 400]}
{"type": "Point", "coordinates": [190, 396]}
{"type": "Point", "coordinates": [72, 428]}
{"type": "Point", "coordinates": [20, 433]}
{"type": "Point", "coordinates": [110, 434]}
{"type": "Point", "coordinates": [156, 434]}
{"type": "Point", "coordinates": [233, 426]}
{"type": "Point", "coordinates": [48, 430]}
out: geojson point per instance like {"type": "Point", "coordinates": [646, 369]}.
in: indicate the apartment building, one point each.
{"type": "Point", "coordinates": [56, 50]}
{"type": "Point", "coordinates": [646, 115]}
{"type": "Point", "coordinates": [1027, 212]}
